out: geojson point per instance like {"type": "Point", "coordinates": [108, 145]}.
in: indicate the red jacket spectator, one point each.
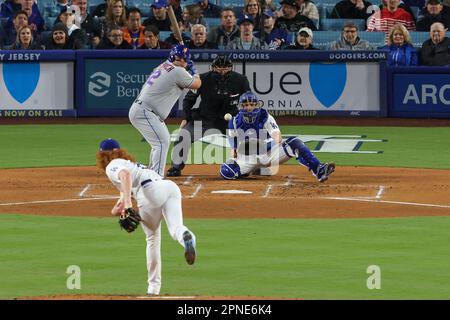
{"type": "Point", "coordinates": [387, 17]}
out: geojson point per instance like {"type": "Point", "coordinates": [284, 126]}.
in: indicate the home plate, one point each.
{"type": "Point", "coordinates": [232, 191]}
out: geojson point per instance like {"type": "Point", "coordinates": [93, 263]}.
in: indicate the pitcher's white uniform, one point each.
{"type": "Point", "coordinates": [156, 198]}
{"type": "Point", "coordinates": [154, 103]}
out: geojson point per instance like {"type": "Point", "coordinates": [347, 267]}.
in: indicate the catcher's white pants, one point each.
{"type": "Point", "coordinates": [276, 156]}
{"type": "Point", "coordinates": [155, 133]}
{"type": "Point", "coordinates": [156, 200]}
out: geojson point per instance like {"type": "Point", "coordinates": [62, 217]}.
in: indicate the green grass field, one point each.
{"type": "Point", "coordinates": [301, 258]}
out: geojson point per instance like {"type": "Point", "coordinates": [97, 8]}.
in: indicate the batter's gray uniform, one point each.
{"type": "Point", "coordinates": [156, 198]}
{"type": "Point", "coordinates": [148, 112]}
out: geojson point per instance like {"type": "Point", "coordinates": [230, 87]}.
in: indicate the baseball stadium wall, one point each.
{"type": "Point", "coordinates": [308, 84]}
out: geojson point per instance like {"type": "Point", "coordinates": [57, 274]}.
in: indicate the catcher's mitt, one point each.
{"type": "Point", "coordinates": [129, 220]}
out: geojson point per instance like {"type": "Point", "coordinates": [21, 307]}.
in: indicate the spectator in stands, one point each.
{"type": "Point", "coordinates": [210, 10]}
{"type": "Point", "coordinates": [133, 33]}
{"type": "Point", "coordinates": [401, 51]}
{"type": "Point", "coordinates": [91, 26]}
{"type": "Point", "coordinates": [172, 40]}
{"type": "Point", "coordinates": [350, 40]}
{"type": "Point", "coordinates": [274, 38]}
{"type": "Point", "coordinates": [59, 39]}
{"type": "Point", "coordinates": [114, 40]}
{"type": "Point", "coordinates": [384, 3]}
{"type": "Point", "coordinates": [198, 33]}
{"type": "Point", "coordinates": [9, 35]}
{"type": "Point", "coordinates": [291, 20]}
{"type": "Point", "coordinates": [35, 20]}
{"type": "Point", "coordinates": [303, 41]}
{"type": "Point", "coordinates": [151, 39]}
{"type": "Point", "coordinates": [353, 9]}
{"type": "Point", "coordinates": [308, 9]}
{"type": "Point", "coordinates": [100, 10]}
{"type": "Point", "coordinates": [192, 14]}
{"type": "Point", "coordinates": [25, 40]}
{"type": "Point", "coordinates": [53, 9]}
{"type": "Point", "coordinates": [177, 9]}
{"type": "Point", "coordinates": [227, 30]}
{"type": "Point", "coordinates": [433, 12]}
{"type": "Point", "coordinates": [116, 14]}
{"type": "Point", "coordinates": [9, 8]}
{"type": "Point", "coordinates": [160, 18]}
{"type": "Point", "coordinates": [435, 51]}
{"type": "Point", "coordinates": [252, 8]}
{"type": "Point", "coordinates": [390, 15]}
{"type": "Point", "coordinates": [246, 40]}
{"type": "Point", "coordinates": [77, 36]}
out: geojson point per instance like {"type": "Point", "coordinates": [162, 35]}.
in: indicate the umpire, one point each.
{"type": "Point", "coordinates": [220, 92]}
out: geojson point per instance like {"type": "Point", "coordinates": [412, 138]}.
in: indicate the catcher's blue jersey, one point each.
{"type": "Point", "coordinates": [260, 129]}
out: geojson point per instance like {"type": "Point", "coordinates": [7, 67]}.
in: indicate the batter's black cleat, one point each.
{"type": "Point", "coordinates": [189, 247]}
{"type": "Point", "coordinates": [173, 172]}
{"type": "Point", "coordinates": [324, 171]}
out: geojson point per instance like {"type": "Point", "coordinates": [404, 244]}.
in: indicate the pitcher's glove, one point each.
{"type": "Point", "coordinates": [129, 220]}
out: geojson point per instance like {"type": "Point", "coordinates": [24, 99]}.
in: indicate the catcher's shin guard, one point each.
{"type": "Point", "coordinates": [302, 153]}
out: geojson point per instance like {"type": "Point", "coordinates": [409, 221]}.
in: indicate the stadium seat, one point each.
{"type": "Point", "coordinates": [45, 36]}
{"type": "Point", "coordinates": [163, 35]}
{"type": "Point", "coordinates": [419, 37]}
{"type": "Point", "coordinates": [376, 39]}
{"type": "Point", "coordinates": [323, 39]}
{"type": "Point", "coordinates": [337, 24]}
{"type": "Point", "coordinates": [212, 22]}
{"type": "Point", "coordinates": [231, 3]}
{"type": "Point", "coordinates": [325, 10]}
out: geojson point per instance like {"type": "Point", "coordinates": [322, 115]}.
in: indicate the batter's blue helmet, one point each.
{"type": "Point", "coordinates": [230, 170]}
{"type": "Point", "coordinates": [249, 116]}
{"type": "Point", "coordinates": [109, 144]}
{"type": "Point", "coordinates": [180, 51]}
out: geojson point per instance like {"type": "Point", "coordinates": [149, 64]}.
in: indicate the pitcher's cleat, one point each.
{"type": "Point", "coordinates": [189, 247]}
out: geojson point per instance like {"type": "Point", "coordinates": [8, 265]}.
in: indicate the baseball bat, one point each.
{"type": "Point", "coordinates": [174, 22]}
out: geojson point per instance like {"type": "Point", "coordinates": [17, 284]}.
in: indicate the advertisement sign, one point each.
{"type": "Point", "coordinates": [36, 86]}
{"type": "Point", "coordinates": [421, 94]}
{"type": "Point", "coordinates": [302, 87]}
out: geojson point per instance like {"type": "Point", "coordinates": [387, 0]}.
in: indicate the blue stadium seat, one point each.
{"type": "Point", "coordinates": [337, 24]}
{"type": "Point", "coordinates": [415, 11]}
{"type": "Point", "coordinates": [325, 10]}
{"type": "Point", "coordinates": [231, 3]}
{"type": "Point", "coordinates": [419, 37]}
{"type": "Point", "coordinates": [163, 35]}
{"type": "Point", "coordinates": [323, 39]}
{"type": "Point", "coordinates": [212, 22]}
{"type": "Point", "coordinates": [376, 39]}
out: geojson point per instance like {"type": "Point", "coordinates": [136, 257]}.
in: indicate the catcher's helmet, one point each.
{"type": "Point", "coordinates": [180, 51]}
{"type": "Point", "coordinates": [252, 115]}
{"type": "Point", "coordinates": [109, 144]}
{"type": "Point", "coordinates": [222, 62]}
{"type": "Point", "coordinates": [230, 170]}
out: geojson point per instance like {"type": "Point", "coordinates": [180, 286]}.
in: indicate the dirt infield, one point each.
{"type": "Point", "coordinates": [351, 192]}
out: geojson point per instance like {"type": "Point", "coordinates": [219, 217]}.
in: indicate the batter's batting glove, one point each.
{"type": "Point", "coordinates": [191, 68]}
{"type": "Point", "coordinates": [129, 220]}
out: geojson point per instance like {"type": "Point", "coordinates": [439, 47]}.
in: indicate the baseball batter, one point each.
{"type": "Point", "coordinates": [156, 198]}
{"type": "Point", "coordinates": [157, 97]}
{"type": "Point", "coordinates": [256, 143]}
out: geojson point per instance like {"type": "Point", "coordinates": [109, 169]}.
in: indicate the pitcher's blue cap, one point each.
{"type": "Point", "coordinates": [109, 144]}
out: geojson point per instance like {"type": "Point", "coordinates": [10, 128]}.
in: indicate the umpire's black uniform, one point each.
{"type": "Point", "coordinates": [220, 95]}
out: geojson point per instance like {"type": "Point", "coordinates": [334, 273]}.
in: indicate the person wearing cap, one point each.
{"type": "Point", "coordinates": [435, 51]}
{"type": "Point", "coordinates": [246, 40]}
{"type": "Point", "coordinates": [274, 38]}
{"type": "Point", "coordinates": [156, 198]}
{"type": "Point", "coordinates": [350, 40]}
{"type": "Point", "coordinates": [160, 18]}
{"type": "Point", "coordinates": [303, 41]}
{"type": "Point", "coordinates": [433, 12]}
{"type": "Point", "coordinates": [59, 38]}
{"type": "Point", "coordinates": [152, 40]}
{"type": "Point", "coordinates": [227, 30]}
{"type": "Point", "coordinates": [291, 20]}
{"type": "Point", "coordinates": [210, 10]}
{"type": "Point", "coordinates": [77, 36]}
{"type": "Point", "coordinates": [352, 9]}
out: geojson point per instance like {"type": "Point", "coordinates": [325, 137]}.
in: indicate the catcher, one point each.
{"type": "Point", "coordinates": [256, 143]}
{"type": "Point", "coordinates": [156, 198]}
